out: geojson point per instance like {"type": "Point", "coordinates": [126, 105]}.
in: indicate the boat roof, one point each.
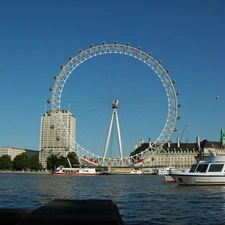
{"type": "Point", "coordinates": [215, 159]}
{"type": "Point", "coordinates": [75, 168]}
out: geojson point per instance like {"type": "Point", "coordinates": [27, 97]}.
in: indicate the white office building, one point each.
{"type": "Point", "coordinates": [13, 151]}
{"type": "Point", "coordinates": [52, 140]}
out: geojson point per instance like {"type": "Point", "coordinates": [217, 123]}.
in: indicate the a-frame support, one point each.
{"type": "Point", "coordinates": [114, 114]}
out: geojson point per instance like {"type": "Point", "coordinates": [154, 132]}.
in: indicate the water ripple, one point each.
{"type": "Point", "coordinates": [141, 200]}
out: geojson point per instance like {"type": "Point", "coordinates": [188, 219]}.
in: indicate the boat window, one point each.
{"type": "Point", "coordinates": [202, 168]}
{"type": "Point", "coordinates": [193, 167]}
{"type": "Point", "coordinates": [216, 167]}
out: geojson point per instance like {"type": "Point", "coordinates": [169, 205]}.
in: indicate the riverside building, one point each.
{"type": "Point", "coordinates": [13, 152]}
{"type": "Point", "coordinates": [182, 155]}
{"type": "Point", "coordinates": [52, 140]}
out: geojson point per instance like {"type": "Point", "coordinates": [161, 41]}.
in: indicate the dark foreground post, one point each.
{"type": "Point", "coordinates": [76, 212]}
{"type": "Point", "coordinates": [12, 216]}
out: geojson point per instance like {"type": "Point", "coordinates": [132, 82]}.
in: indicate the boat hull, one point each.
{"type": "Point", "coordinates": [125, 173]}
{"type": "Point", "coordinates": [75, 171]}
{"type": "Point", "coordinates": [168, 178]}
{"type": "Point", "coordinates": [74, 174]}
{"type": "Point", "coordinates": [195, 179]}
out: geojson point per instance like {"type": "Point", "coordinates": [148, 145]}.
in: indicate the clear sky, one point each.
{"type": "Point", "coordinates": [38, 36]}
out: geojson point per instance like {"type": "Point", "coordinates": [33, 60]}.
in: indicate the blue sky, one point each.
{"type": "Point", "coordinates": [38, 36]}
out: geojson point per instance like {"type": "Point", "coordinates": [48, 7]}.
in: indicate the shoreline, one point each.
{"type": "Point", "coordinates": [24, 172]}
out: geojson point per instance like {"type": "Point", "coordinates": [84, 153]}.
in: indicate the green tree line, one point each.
{"type": "Point", "coordinates": [53, 161]}
{"type": "Point", "coordinates": [24, 162]}
{"type": "Point", "coordinates": [20, 162]}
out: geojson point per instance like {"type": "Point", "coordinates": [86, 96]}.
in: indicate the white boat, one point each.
{"type": "Point", "coordinates": [165, 171]}
{"type": "Point", "coordinates": [122, 171]}
{"type": "Point", "coordinates": [75, 171]}
{"type": "Point", "coordinates": [168, 178]}
{"type": "Point", "coordinates": [208, 172]}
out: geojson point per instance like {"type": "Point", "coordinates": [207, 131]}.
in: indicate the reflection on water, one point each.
{"type": "Point", "coordinates": [141, 199]}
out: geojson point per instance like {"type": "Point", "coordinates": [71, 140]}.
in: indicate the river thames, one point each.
{"type": "Point", "coordinates": [141, 199]}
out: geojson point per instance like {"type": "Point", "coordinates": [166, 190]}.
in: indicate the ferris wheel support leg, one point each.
{"type": "Point", "coordinates": [119, 136]}
{"type": "Point", "coordinates": [69, 162]}
{"type": "Point", "coordinates": [108, 135]}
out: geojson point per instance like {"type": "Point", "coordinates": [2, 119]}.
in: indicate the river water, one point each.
{"type": "Point", "coordinates": [141, 199]}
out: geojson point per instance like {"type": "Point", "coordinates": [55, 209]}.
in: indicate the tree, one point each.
{"type": "Point", "coordinates": [21, 162]}
{"type": "Point", "coordinates": [62, 161]}
{"type": "Point", "coordinates": [34, 163]}
{"type": "Point", "coordinates": [5, 162]}
{"type": "Point", "coordinates": [52, 162]}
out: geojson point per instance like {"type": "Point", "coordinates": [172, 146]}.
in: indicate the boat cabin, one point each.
{"type": "Point", "coordinates": [212, 164]}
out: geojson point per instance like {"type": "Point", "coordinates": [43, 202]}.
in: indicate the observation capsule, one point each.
{"type": "Point", "coordinates": [80, 50]}
{"type": "Point", "coordinates": [115, 42]}
{"type": "Point", "coordinates": [91, 45]}
{"type": "Point", "coordinates": [50, 89]}
{"type": "Point", "coordinates": [159, 62]}
{"type": "Point", "coordinates": [139, 48]}
{"type": "Point", "coordinates": [61, 66]}
{"type": "Point", "coordinates": [178, 105]}
{"type": "Point", "coordinates": [57, 138]}
{"type": "Point", "coordinates": [49, 101]}
{"type": "Point", "coordinates": [103, 43]}
{"type": "Point", "coordinates": [178, 117]}
{"type": "Point", "coordinates": [127, 44]}
{"type": "Point", "coordinates": [167, 71]}
{"type": "Point", "coordinates": [150, 54]}
{"type": "Point", "coordinates": [177, 92]}
{"type": "Point", "coordinates": [70, 58]}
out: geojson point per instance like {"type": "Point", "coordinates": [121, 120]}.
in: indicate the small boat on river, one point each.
{"type": "Point", "coordinates": [75, 171]}
{"type": "Point", "coordinates": [165, 171]}
{"type": "Point", "coordinates": [208, 172]}
{"type": "Point", "coordinates": [122, 171]}
{"type": "Point", "coordinates": [168, 178]}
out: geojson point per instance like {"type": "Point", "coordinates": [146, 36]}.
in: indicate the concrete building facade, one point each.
{"type": "Point", "coordinates": [182, 155]}
{"type": "Point", "coordinates": [52, 139]}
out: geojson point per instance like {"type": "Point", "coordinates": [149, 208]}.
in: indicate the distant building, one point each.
{"type": "Point", "coordinates": [13, 152]}
{"type": "Point", "coordinates": [51, 138]}
{"type": "Point", "coordinates": [30, 153]}
{"type": "Point", "coordinates": [182, 155]}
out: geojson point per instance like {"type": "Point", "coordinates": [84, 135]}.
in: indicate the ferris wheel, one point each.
{"type": "Point", "coordinates": [116, 48]}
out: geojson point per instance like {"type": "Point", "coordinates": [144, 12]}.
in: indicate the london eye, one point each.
{"type": "Point", "coordinates": [170, 112]}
